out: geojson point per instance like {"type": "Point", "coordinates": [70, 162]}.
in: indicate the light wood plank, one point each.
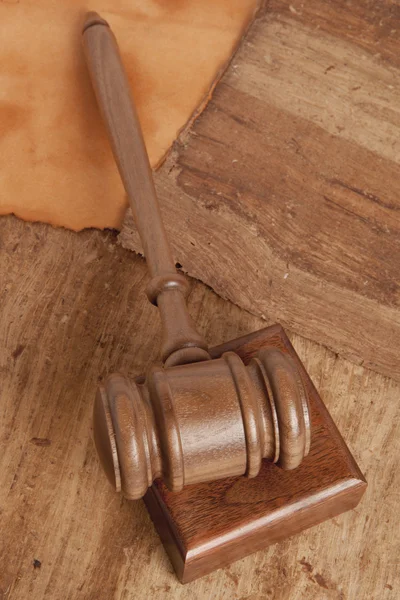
{"type": "Point", "coordinates": [73, 308]}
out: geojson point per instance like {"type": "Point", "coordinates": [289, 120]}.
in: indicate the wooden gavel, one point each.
{"type": "Point", "coordinates": [195, 418]}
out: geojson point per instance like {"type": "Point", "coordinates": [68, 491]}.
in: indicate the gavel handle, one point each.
{"type": "Point", "coordinates": [167, 288]}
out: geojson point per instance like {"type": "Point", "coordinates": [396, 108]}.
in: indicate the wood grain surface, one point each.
{"type": "Point", "coordinates": [72, 309]}
{"type": "Point", "coordinates": [283, 196]}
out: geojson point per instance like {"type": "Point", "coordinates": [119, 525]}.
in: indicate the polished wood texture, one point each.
{"type": "Point", "coordinates": [208, 526]}
{"type": "Point", "coordinates": [202, 422]}
{"type": "Point", "coordinates": [64, 303]}
{"type": "Point", "coordinates": [202, 419]}
{"type": "Point", "coordinates": [167, 288]}
{"type": "Point", "coordinates": [284, 195]}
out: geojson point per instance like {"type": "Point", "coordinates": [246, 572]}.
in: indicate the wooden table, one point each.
{"type": "Point", "coordinates": [72, 309]}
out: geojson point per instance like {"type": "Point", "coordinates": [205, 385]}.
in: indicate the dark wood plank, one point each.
{"type": "Point", "coordinates": [371, 25]}
{"type": "Point", "coordinates": [283, 196]}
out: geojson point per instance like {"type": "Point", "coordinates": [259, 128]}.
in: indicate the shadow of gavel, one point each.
{"type": "Point", "coordinates": [194, 419]}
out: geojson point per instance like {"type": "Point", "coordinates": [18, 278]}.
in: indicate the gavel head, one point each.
{"type": "Point", "coordinates": [201, 422]}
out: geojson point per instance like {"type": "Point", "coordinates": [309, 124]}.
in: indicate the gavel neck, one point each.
{"type": "Point", "coordinates": [181, 343]}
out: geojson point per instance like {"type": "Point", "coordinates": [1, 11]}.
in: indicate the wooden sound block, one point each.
{"type": "Point", "coordinates": [208, 526]}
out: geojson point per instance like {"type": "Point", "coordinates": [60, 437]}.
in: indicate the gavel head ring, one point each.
{"type": "Point", "coordinates": [201, 422]}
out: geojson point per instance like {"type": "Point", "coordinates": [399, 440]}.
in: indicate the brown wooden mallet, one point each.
{"type": "Point", "coordinates": [194, 419]}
